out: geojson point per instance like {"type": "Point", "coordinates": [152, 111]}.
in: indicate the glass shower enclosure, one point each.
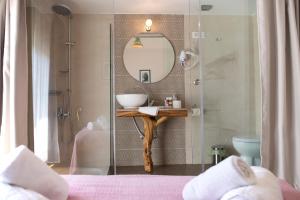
{"type": "Point", "coordinates": [72, 84]}
{"type": "Point", "coordinates": [224, 90]}
{"type": "Point", "coordinates": [71, 78]}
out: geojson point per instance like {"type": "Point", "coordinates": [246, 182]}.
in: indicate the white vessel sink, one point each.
{"type": "Point", "coordinates": [131, 100]}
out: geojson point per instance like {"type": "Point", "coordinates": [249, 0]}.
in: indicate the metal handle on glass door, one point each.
{"type": "Point", "coordinates": [196, 81]}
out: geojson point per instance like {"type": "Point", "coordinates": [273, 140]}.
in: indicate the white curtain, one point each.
{"type": "Point", "coordinates": [2, 34]}
{"type": "Point", "coordinates": [279, 49]}
{"type": "Point", "coordinates": [44, 106]}
{"type": "Point", "coordinates": [15, 75]}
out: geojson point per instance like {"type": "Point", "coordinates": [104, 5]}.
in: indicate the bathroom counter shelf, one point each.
{"type": "Point", "coordinates": [151, 122]}
{"type": "Point", "coordinates": [163, 112]}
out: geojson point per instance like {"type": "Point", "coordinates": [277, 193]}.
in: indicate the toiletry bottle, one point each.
{"type": "Point", "coordinates": [174, 97]}
{"type": "Point", "coordinates": [168, 102]}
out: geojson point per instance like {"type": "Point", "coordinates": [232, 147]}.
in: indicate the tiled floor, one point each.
{"type": "Point", "coordinates": [175, 170]}
{"type": "Point", "coordinates": [180, 170]}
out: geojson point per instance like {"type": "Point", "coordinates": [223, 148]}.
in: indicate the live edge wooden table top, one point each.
{"type": "Point", "coordinates": [151, 122]}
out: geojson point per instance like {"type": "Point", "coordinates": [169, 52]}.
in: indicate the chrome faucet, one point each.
{"type": "Point", "coordinates": [61, 114]}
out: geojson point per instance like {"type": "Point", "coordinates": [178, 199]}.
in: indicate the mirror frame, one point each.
{"type": "Point", "coordinates": [151, 35]}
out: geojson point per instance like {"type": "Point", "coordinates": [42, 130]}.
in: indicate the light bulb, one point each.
{"type": "Point", "coordinates": [148, 25]}
{"type": "Point", "coordinates": [148, 22]}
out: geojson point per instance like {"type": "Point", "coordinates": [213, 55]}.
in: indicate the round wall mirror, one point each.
{"type": "Point", "coordinates": [149, 57]}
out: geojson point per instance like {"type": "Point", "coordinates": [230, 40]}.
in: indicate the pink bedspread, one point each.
{"type": "Point", "coordinates": [136, 187]}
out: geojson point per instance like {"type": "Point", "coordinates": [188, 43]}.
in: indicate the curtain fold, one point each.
{"type": "Point", "coordinates": [14, 67]}
{"type": "Point", "coordinates": [44, 90]}
{"type": "Point", "coordinates": [278, 26]}
{"type": "Point", "coordinates": [2, 33]}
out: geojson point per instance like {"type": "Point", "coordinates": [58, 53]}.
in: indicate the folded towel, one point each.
{"type": "Point", "coordinates": [10, 192]}
{"type": "Point", "coordinates": [231, 173]}
{"type": "Point", "coordinates": [266, 188]}
{"type": "Point", "coordinates": [22, 168]}
{"type": "Point", "coordinates": [153, 110]}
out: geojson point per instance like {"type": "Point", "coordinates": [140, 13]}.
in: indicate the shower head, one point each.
{"type": "Point", "coordinates": [62, 9]}
{"type": "Point", "coordinates": [206, 7]}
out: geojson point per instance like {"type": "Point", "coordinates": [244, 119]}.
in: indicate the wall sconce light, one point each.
{"type": "Point", "coordinates": [148, 25]}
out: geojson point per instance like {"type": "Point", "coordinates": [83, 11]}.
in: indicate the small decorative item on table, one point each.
{"type": "Point", "coordinates": [168, 102]}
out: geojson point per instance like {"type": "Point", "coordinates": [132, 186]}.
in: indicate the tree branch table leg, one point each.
{"type": "Point", "coordinates": [151, 122]}
{"type": "Point", "coordinates": [149, 125]}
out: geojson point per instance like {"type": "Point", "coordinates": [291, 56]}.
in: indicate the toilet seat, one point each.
{"type": "Point", "coordinates": [246, 140]}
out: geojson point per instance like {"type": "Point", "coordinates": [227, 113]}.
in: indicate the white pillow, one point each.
{"type": "Point", "coordinates": [9, 192]}
{"type": "Point", "coordinates": [22, 168]}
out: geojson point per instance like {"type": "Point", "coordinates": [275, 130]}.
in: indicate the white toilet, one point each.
{"type": "Point", "coordinates": [249, 149]}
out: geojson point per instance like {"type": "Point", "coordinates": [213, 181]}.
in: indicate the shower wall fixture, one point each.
{"type": "Point", "coordinates": [188, 59]}
{"type": "Point", "coordinates": [66, 111]}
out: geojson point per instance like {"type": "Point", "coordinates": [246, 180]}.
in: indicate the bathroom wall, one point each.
{"type": "Point", "coordinates": [91, 68]}
{"type": "Point", "coordinates": [230, 83]}
{"type": "Point", "coordinates": [169, 148]}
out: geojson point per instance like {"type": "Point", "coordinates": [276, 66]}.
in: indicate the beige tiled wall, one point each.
{"type": "Point", "coordinates": [169, 148]}
{"type": "Point", "coordinates": [91, 67]}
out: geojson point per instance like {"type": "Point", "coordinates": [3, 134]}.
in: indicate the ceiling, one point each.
{"type": "Point", "coordinates": [220, 7]}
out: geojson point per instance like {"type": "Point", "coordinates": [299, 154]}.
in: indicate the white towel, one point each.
{"type": "Point", "coordinates": [266, 188]}
{"type": "Point", "coordinates": [153, 110]}
{"type": "Point", "coordinates": [22, 168]}
{"type": "Point", "coordinates": [231, 173]}
{"type": "Point", "coordinates": [10, 192]}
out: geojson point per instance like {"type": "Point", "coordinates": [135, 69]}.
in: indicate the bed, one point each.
{"type": "Point", "coordinates": [135, 187]}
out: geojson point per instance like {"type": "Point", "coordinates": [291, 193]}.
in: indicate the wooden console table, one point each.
{"type": "Point", "coordinates": [150, 123]}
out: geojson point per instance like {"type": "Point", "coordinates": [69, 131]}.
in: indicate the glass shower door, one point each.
{"type": "Point", "coordinates": [193, 87]}
{"type": "Point", "coordinates": [70, 54]}
{"type": "Point", "coordinates": [230, 76]}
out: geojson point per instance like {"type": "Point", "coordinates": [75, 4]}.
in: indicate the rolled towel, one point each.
{"type": "Point", "coordinates": [267, 187]}
{"type": "Point", "coordinates": [153, 110]}
{"type": "Point", "coordinates": [22, 168]}
{"type": "Point", "coordinates": [231, 173]}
